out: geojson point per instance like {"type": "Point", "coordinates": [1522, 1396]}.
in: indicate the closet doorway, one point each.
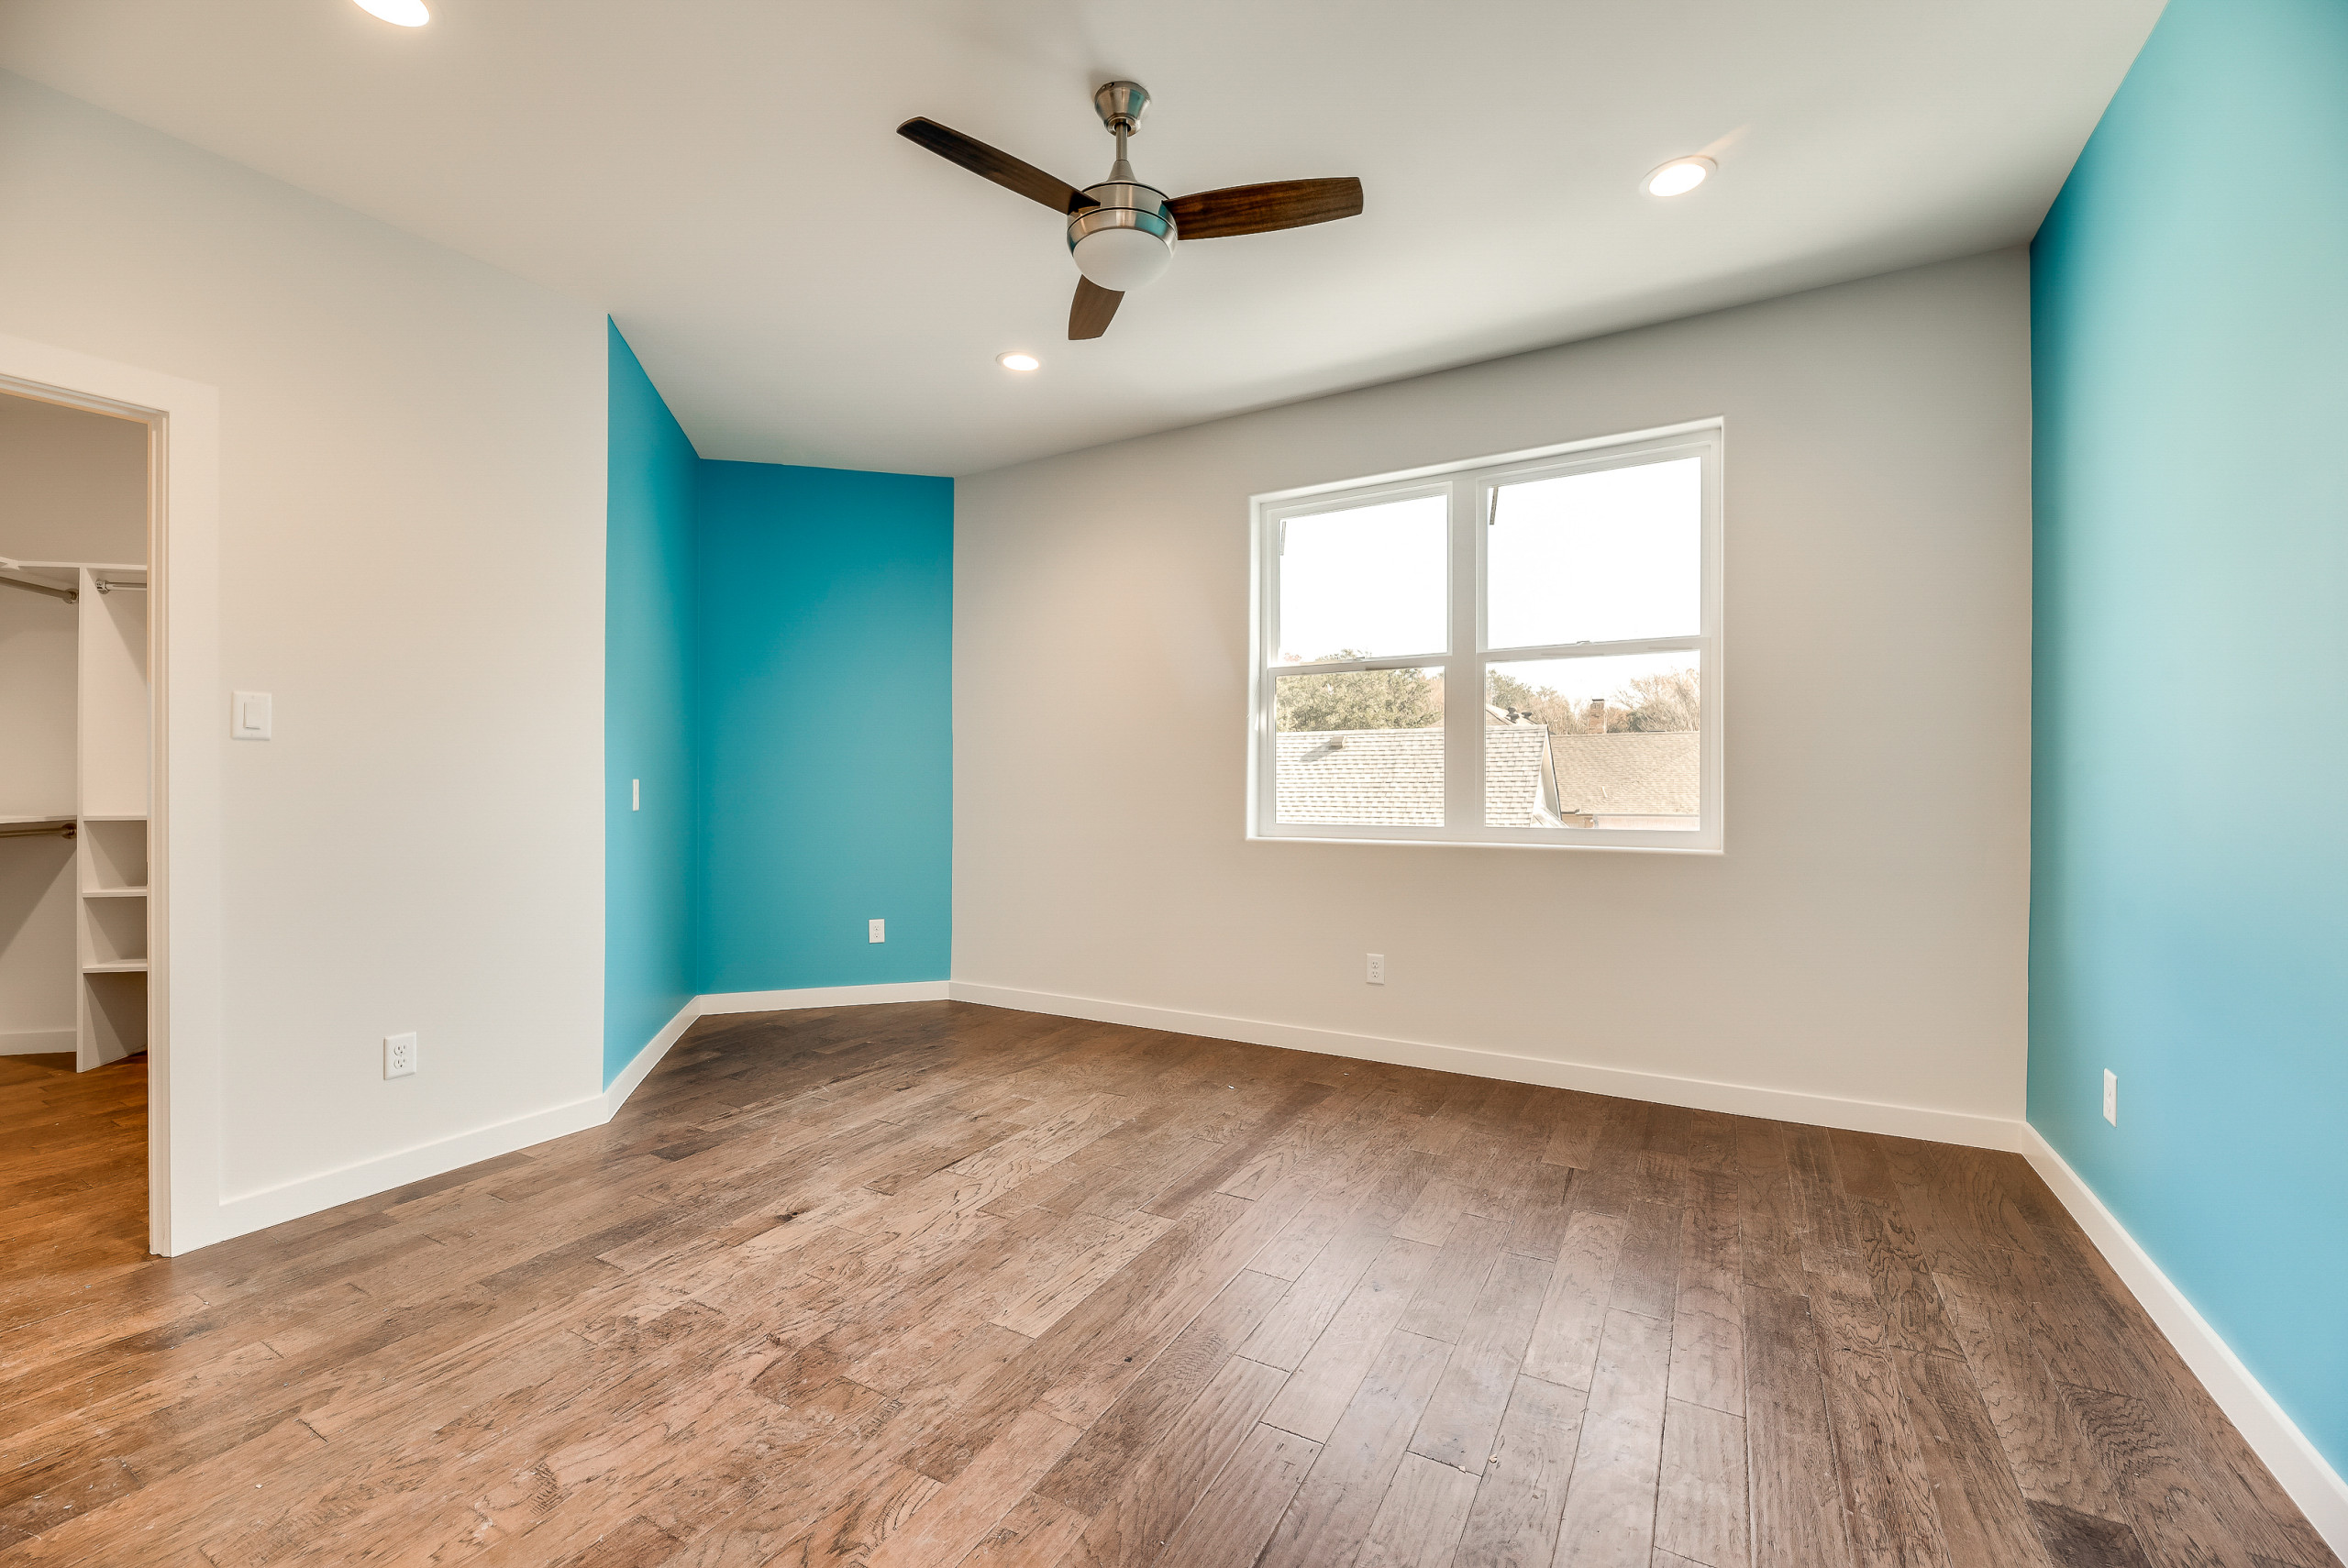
{"type": "Point", "coordinates": [77, 748]}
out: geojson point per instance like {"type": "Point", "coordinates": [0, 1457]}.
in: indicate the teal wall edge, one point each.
{"type": "Point", "coordinates": [647, 714]}
{"type": "Point", "coordinates": [2191, 679]}
{"type": "Point", "coordinates": [778, 673]}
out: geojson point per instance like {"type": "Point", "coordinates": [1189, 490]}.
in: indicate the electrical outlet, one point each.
{"type": "Point", "coordinates": [876, 931]}
{"type": "Point", "coordinates": [2111, 1096]}
{"type": "Point", "coordinates": [1378, 969]}
{"type": "Point", "coordinates": [399, 1056]}
{"type": "Point", "coordinates": [636, 794]}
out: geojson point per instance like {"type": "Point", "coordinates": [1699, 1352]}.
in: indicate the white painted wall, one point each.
{"type": "Point", "coordinates": [74, 486]}
{"type": "Point", "coordinates": [1862, 938]}
{"type": "Point", "coordinates": [411, 555]}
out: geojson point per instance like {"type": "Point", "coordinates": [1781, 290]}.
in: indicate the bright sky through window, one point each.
{"type": "Point", "coordinates": [1598, 558]}
{"type": "Point", "coordinates": [1369, 581]}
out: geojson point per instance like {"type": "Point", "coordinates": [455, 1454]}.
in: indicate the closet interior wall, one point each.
{"type": "Point", "coordinates": [74, 726]}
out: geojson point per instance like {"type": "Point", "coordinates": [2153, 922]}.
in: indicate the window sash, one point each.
{"type": "Point", "coordinates": [1472, 488]}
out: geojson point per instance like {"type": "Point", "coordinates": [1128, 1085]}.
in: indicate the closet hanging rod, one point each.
{"type": "Point", "coordinates": [106, 587]}
{"type": "Point", "coordinates": [66, 829]}
{"type": "Point", "coordinates": [67, 594]}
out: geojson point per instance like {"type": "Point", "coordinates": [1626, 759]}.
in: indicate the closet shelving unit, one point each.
{"type": "Point", "coordinates": [108, 819]}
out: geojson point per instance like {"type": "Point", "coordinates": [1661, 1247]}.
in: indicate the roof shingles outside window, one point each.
{"type": "Point", "coordinates": [1394, 778]}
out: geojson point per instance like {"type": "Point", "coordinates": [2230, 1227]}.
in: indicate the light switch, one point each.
{"type": "Point", "coordinates": [248, 715]}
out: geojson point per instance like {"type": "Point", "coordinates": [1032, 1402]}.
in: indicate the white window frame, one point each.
{"type": "Point", "coordinates": [1470, 486]}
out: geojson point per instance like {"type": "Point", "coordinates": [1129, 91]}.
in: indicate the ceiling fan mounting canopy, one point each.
{"type": "Point", "coordinates": [1121, 231]}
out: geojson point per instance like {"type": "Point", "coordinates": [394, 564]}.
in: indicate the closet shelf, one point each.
{"type": "Point", "coordinates": [118, 967]}
{"type": "Point", "coordinates": [113, 892]}
{"type": "Point", "coordinates": [40, 819]}
{"type": "Point", "coordinates": [94, 817]}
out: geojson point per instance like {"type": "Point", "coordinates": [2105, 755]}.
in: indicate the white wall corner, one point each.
{"type": "Point", "coordinates": [1662, 1088]}
{"type": "Point", "coordinates": [2301, 1470]}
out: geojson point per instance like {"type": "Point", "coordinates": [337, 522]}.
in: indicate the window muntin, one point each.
{"type": "Point", "coordinates": [1593, 586]}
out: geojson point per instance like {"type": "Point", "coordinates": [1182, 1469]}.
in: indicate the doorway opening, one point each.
{"type": "Point", "coordinates": [78, 989]}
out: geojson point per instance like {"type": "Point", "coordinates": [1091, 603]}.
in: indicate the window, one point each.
{"type": "Point", "coordinates": [1518, 650]}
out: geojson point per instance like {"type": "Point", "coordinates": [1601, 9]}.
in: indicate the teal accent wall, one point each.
{"type": "Point", "coordinates": [824, 648]}
{"type": "Point", "coordinates": [648, 713]}
{"type": "Point", "coordinates": [2189, 890]}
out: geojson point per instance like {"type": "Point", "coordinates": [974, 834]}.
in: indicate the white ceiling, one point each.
{"type": "Point", "coordinates": [805, 286]}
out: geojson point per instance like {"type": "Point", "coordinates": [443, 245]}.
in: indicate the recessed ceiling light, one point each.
{"type": "Point", "coordinates": [1678, 177]}
{"type": "Point", "coordinates": [399, 13]}
{"type": "Point", "coordinates": [1018, 361]}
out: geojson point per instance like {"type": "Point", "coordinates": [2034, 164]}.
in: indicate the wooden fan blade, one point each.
{"type": "Point", "coordinates": [1255, 209]}
{"type": "Point", "coordinates": [994, 164]}
{"type": "Point", "coordinates": [1092, 310]}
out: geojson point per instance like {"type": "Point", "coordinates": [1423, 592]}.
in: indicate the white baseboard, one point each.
{"type": "Point", "coordinates": [703, 1007]}
{"type": "Point", "coordinates": [2303, 1472]}
{"type": "Point", "coordinates": [615, 1093]}
{"type": "Point", "coordinates": [821, 995]}
{"type": "Point", "coordinates": [1699, 1094]}
{"type": "Point", "coordinates": [307, 1194]}
{"type": "Point", "coordinates": [38, 1043]}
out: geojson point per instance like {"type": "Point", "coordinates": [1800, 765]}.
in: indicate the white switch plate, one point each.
{"type": "Point", "coordinates": [876, 931]}
{"type": "Point", "coordinates": [2111, 1096]}
{"type": "Point", "coordinates": [248, 715]}
{"type": "Point", "coordinates": [636, 794]}
{"type": "Point", "coordinates": [1378, 969]}
{"type": "Point", "coordinates": [399, 1056]}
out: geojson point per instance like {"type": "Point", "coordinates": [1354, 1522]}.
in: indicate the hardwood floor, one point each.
{"type": "Point", "coordinates": [939, 1284]}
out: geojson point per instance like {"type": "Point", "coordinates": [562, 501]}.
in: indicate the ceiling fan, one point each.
{"type": "Point", "coordinates": [1121, 231]}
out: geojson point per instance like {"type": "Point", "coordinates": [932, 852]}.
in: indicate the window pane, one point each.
{"type": "Point", "coordinates": [1364, 583]}
{"type": "Point", "coordinates": [1360, 747]}
{"type": "Point", "coordinates": [1598, 558]}
{"type": "Point", "coordinates": [1602, 743]}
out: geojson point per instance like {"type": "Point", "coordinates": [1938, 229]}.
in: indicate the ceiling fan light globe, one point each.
{"type": "Point", "coordinates": [1123, 259]}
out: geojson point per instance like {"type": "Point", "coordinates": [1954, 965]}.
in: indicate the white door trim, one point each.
{"type": "Point", "coordinates": [183, 1038]}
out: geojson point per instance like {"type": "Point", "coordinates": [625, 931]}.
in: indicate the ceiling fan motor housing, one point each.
{"type": "Point", "coordinates": [1127, 239]}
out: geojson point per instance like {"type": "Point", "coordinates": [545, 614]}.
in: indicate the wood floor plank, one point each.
{"type": "Point", "coordinates": [1564, 1347]}
{"type": "Point", "coordinates": [1707, 1334]}
{"type": "Point", "coordinates": [1342, 1492]}
{"type": "Point", "coordinates": [1699, 1502]}
{"type": "Point", "coordinates": [1796, 1500]}
{"type": "Point", "coordinates": [1131, 1527]}
{"type": "Point", "coordinates": [1513, 1520]}
{"type": "Point", "coordinates": [945, 1283]}
{"type": "Point", "coordinates": [1247, 1502]}
{"type": "Point", "coordinates": [1325, 1380]}
{"type": "Point", "coordinates": [1461, 1419]}
{"type": "Point", "coordinates": [1887, 1488]}
{"type": "Point", "coordinates": [1419, 1522]}
{"type": "Point", "coordinates": [1611, 1501]}
{"type": "Point", "coordinates": [2052, 1460]}
{"type": "Point", "coordinates": [1984, 1521]}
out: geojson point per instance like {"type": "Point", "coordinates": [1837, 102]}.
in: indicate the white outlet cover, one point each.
{"type": "Point", "coordinates": [1378, 969]}
{"type": "Point", "coordinates": [399, 1056]}
{"type": "Point", "coordinates": [2111, 1096]}
{"type": "Point", "coordinates": [876, 931]}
